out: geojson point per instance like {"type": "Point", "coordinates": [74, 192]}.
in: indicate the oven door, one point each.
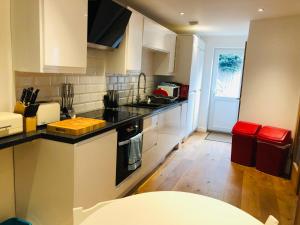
{"type": "Point", "coordinates": [125, 133]}
{"type": "Point", "coordinates": [122, 162]}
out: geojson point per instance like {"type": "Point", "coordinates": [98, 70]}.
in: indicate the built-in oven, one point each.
{"type": "Point", "coordinates": [125, 133]}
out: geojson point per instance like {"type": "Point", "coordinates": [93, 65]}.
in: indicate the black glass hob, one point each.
{"type": "Point", "coordinates": [109, 115]}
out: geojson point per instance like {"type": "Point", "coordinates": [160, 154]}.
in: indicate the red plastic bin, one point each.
{"type": "Point", "coordinates": [243, 148]}
{"type": "Point", "coordinates": [272, 150]}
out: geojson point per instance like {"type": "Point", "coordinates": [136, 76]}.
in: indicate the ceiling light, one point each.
{"type": "Point", "coordinates": [182, 13]}
{"type": "Point", "coordinates": [260, 10]}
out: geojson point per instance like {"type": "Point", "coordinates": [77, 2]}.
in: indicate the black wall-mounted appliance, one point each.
{"type": "Point", "coordinates": [107, 22]}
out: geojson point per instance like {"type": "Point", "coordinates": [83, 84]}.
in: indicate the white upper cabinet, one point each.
{"type": "Point", "coordinates": [190, 52]}
{"type": "Point", "coordinates": [49, 35]}
{"type": "Point", "coordinates": [128, 57]}
{"type": "Point", "coordinates": [155, 36]}
{"type": "Point", "coordinates": [135, 41]}
{"type": "Point", "coordinates": [163, 43]}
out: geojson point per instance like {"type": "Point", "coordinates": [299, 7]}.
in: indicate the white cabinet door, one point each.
{"type": "Point", "coordinates": [190, 113]}
{"type": "Point", "coordinates": [172, 47]}
{"type": "Point", "coordinates": [151, 156]}
{"type": "Point", "coordinates": [190, 52]}
{"type": "Point", "coordinates": [154, 36]}
{"type": "Point", "coordinates": [163, 42]}
{"type": "Point", "coordinates": [95, 170]}
{"type": "Point", "coordinates": [135, 42]}
{"type": "Point", "coordinates": [197, 65]}
{"type": "Point", "coordinates": [183, 120]}
{"type": "Point", "coordinates": [64, 27]}
{"type": "Point", "coordinates": [196, 109]}
{"type": "Point", "coordinates": [150, 133]}
{"type": "Point", "coordinates": [49, 35]}
{"type": "Point", "coordinates": [169, 130]}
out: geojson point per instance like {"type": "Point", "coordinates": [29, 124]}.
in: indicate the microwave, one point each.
{"type": "Point", "coordinates": [173, 91]}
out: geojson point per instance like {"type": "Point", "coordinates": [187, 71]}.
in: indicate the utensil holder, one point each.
{"type": "Point", "coordinates": [19, 108]}
{"type": "Point", "coordinates": [29, 115]}
{"type": "Point", "coordinates": [29, 124]}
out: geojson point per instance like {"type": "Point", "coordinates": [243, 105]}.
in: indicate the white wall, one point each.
{"type": "Point", "coordinates": [271, 85]}
{"type": "Point", "coordinates": [6, 78]}
{"type": "Point", "coordinates": [212, 43]}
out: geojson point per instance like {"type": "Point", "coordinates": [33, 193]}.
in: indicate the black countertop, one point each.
{"type": "Point", "coordinates": [136, 113]}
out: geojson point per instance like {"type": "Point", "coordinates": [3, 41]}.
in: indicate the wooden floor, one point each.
{"type": "Point", "coordinates": [204, 167]}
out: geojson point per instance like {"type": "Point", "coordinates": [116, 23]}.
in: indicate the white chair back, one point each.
{"type": "Point", "coordinates": [80, 214]}
{"type": "Point", "coordinates": [272, 221]}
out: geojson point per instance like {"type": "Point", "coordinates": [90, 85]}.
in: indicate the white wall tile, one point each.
{"type": "Point", "coordinates": [42, 80]}
{"type": "Point", "coordinates": [73, 79]}
{"type": "Point", "coordinates": [85, 80]}
{"type": "Point", "coordinates": [83, 98]}
{"type": "Point", "coordinates": [58, 80]}
{"type": "Point", "coordinates": [79, 89]}
{"type": "Point", "coordinates": [24, 81]}
{"type": "Point", "coordinates": [121, 79]}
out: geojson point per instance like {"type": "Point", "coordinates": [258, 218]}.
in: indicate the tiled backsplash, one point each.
{"type": "Point", "coordinates": [128, 87]}
{"type": "Point", "coordinates": [89, 88]}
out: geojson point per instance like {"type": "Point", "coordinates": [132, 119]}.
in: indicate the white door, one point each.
{"type": "Point", "coordinates": [226, 89]}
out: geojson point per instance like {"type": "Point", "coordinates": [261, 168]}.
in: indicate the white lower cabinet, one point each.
{"type": "Point", "coordinates": [169, 129]}
{"type": "Point", "coordinates": [190, 113]}
{"type": "Point", "coordinates": [95, 170]}
{"type": "Point", "coordinates": [52, 178]}
{"type": "Point", "coordinates": [183, 120]}
{"type": "Point", "coordinates": [150, 133]}
{"type": "Point", "coordinates": [151, 157]}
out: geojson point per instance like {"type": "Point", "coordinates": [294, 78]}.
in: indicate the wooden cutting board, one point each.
{"type": "Point", "coordinates": [77, 126]}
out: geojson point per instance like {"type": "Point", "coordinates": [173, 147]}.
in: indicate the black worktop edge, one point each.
{"type": "Point", "coordinates": [10, 141]}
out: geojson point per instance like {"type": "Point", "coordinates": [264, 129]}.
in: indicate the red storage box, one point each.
{"type": "Point", "coordinates": [243, 148]}
{"type": "Point", "coordinates": [272, 150]}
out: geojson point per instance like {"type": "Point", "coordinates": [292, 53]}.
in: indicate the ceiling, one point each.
{"type": "Point", "coordinates": [215, 17]}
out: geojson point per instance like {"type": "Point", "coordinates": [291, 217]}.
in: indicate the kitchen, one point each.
{"type": "Point", "coordinates": [45, 46]}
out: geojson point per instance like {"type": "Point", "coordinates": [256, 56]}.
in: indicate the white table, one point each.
{"type": "Point", "coordinates": [169, 208]}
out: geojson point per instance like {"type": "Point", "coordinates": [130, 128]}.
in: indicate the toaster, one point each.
{"type": "Point", "coordinates": [48, 112]}
{"type": "Point", "coordinates": [10, 123]}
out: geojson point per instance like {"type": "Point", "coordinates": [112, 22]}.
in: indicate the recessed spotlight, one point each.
{"type": "Point", "coordinates": [260, 10]}
{"type": "Point", "coordinates": [182, 13]}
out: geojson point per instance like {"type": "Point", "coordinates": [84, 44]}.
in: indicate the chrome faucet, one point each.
{"type": "Point", "coordinates": [138, 97]}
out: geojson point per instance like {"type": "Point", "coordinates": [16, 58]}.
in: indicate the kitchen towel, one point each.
{"type": "Point", "coordinates": [135, 152]}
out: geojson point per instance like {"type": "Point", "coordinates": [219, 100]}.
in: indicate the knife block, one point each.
{"type": "Point", "coordinates": [29, 116]}
{"type": "Point", "coordinates": [30, 124]}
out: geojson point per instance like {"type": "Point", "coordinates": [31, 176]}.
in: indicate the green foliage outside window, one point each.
{"type": "Point", "coordinates": [230, 63]}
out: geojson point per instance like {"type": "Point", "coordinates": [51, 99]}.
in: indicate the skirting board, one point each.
{"type": "Point", "coordinates": [202, 129]}
{"type": "Point", "coordinates": [295, 177]}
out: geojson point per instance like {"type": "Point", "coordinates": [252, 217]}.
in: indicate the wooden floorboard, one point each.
{"type": "Point", "coordinates": [204, 167]}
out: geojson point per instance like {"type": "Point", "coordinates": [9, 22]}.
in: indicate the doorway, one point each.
{"type": "Point", "coordinates": [226, 89]}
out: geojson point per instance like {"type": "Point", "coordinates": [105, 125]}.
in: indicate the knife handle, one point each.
{"type": "Point", "coordinates": [34, 96]}
{"type": "Point", "coordinates": [23, 95]}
